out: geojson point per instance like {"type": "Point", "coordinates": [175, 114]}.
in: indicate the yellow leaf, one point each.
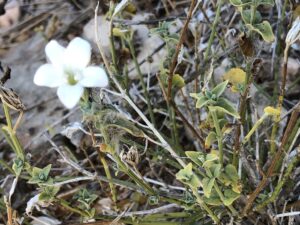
{"type": "Point", "coordinates": [236, 77]}
{"type": "Point", "coordinates": [271, 111]}
{"type": "Point", "coordinates": [131, 8]}
{"type": "Point", "coordinates": [178, 81]}
{"type": "Point", "coordinates": [118, 32]}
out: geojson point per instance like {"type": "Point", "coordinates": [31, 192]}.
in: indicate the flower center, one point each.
{"type": "Point", "coordinates": [72, 76]}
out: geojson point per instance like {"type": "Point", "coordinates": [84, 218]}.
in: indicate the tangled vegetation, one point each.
{"type": "Point", "coordinates": [203, 130]}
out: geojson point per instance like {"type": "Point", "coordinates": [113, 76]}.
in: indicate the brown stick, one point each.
{"type": "Point", "coordinates": [264, 181]}
{"type": "Point", "coordinates": [178, 47]}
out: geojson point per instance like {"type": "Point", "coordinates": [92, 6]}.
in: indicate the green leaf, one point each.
{"type": "Point", "coordinates": [225, 106]}
{"type": "Point", "coordinates": [232, 173]}
{"type": "Point", "coordinates": [40, 175]}
{"type": "Point", "coordinates": [223, 177]}
{"type": "Point", "coordinates": [196, 95]}
{"type": "Point", "coordinates": [264, 29]}
{"type": "Point", "coordinates": [208, 185]}
{"type": "Point", "coordinates": [189, 199]}
{"type": "Point", "coordinates": [212, 169]}
{"type": "Point", "coordinates": [46, 170]}
{"type": "Point", "coordinates": [237, 187]}
{"type": "Point", "coordinates": [187, 176]}
{"type": "Point", "coordinates": [209, 159]}
{"type": "Point", "coordinates": [216, 169]}
{"type": "Point", "coordinates": [85, 198]}
{"type": "Point", "coordinates": [153, 200]}
{"type": "Point", "coordinates": [48, 193]}
{"type": "Point", "coordinates": [201, 100]}
{"type": "Point", "coordinates": [241, 2]}
{"type": "Point", "coordinates": [265, 2]}
{"type": "Point", "coordinates": [197, 157]}
{"type": "Point", "coordinates": [18, 166]}
{"type": "Point", "coordinates": [178, 81]}
{"type": "Point", "coordinates": [230, 196]}
{"type": "Point", "coordinates": [214, 199]}
{"type": "Point", "coordinates": [210, 139]}
{"type": "Point", "coordinates": [91, 213]}
{"type": "Point", "coordinates": [219, 89]}
{"type": "Point", "coordinates": [246, 15]}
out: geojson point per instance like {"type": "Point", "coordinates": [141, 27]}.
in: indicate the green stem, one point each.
{"type": "Point", "coordinates": [218, 190]}
{"type": "Point", "coordinates": [219, 134]}
{"type": "Point", "coordinates": [204, 206]}
{"type": "Point", "coordinates": [125, 168]}
{"type": "Point", "coordinates": [213, 31]}
{"type": "Point", "coordinates": [133, 176]}
{"type": "Point", "coordinates": [254, 128]}
{"type": "Point", "coordinates": [109, 177]}
{"type": "Point", "coordinates": [175, 136]}
{"type": "Point", "coordinates": [7, 116]}
{"type": "Point", "coordinates": [171, 109]}
{"type": "Point", "coordinates": [253, 11]}
{"type": "Point", "coordinates": [166, 215]}
{"type": "Point", "coordinates": [9, 129]}
{"type": "Point", "coordinates": [113, 48]}
{"type": "Point", "coordinates": [66, 205]}
{"type": "Point", "coordinates": [5, 165]}
{"type": "Point", "coordinates": [143, 220]}
{"type": "Point", "coordinates": [230, 207]}
{"type": "Point", "coordinates": [137, 66]}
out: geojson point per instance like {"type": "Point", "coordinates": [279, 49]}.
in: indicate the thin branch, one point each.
{"type": "Point", "coordinates": [178, 47]}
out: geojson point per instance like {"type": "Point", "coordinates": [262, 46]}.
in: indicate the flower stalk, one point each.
{"type": "Point", "coordinates": [12, 135]}
{"type": "Point", "coordinates": [219, 134]}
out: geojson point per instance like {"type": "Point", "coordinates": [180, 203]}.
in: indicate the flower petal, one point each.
{"type": "Point", "coordinates": [69, 95]}
{"type": "Point", "coordinates": [48, 75]}
{"type": "Point", "coordinates": [77, 54]}
{"type": "Point", "coordinates": [94, 76]}
{"type": "Point", "coordinates": [55, 53]}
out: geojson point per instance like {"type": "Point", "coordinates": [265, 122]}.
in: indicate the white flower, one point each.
{"type": "Point", "coordinates": [294, 33]}
{"type": "Point", "coordinates": [69, 71]}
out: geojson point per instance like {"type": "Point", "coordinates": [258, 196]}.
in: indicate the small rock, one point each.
{"type": "Point", "coordinates": [12, 14]}
{"type": "Point", "coordinates": [103, 29]}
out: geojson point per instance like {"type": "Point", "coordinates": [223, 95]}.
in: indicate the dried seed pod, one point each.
{"type": "Point", "coordinates": [11, 99]}
{"type": "Point", "coordinates": [131, 157]}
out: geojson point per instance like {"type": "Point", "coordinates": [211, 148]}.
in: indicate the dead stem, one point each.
{"type": "Point", "coordinates": [178, 47]}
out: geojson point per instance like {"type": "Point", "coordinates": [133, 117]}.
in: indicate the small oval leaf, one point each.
{"type": "Point", "coordinates": [264, 29]}
{"type": "Point", "coordinates": [207, 186]}
{"type": "Point", "coordinates": [219, 89]}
